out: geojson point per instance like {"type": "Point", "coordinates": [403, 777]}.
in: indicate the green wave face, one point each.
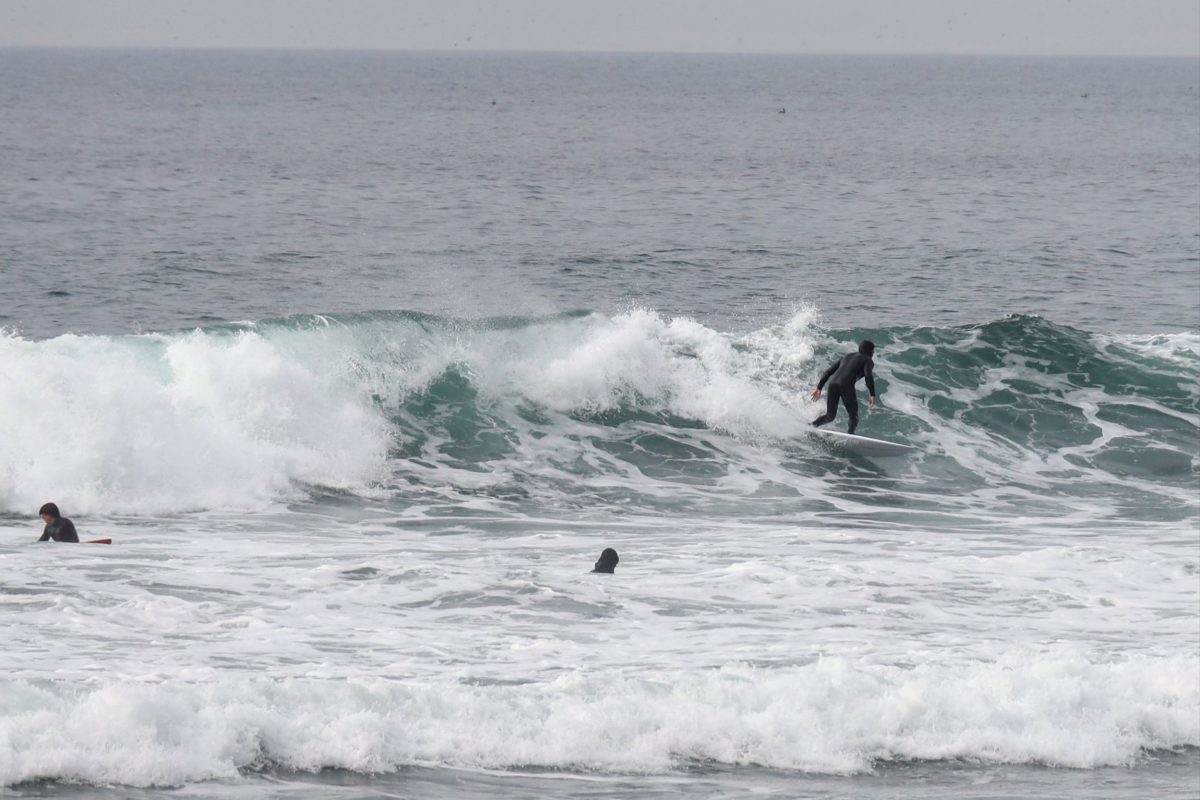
{"type": "Point", "coordinates": [1043, 391]}
{"type": "Point", "coordinates": [586, 409]}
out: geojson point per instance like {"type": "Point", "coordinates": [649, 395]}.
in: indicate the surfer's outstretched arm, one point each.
{"type": "Point", "coordinates": [825, 376]}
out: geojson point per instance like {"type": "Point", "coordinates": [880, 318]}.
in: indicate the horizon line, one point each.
{"type": "Point", "coordinates": [552, 51]}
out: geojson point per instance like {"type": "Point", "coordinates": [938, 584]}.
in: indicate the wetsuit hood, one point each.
{"type": "Point", "coordinates": [866, 347]}
{"type": "Point", "coordinates": [607, 561]}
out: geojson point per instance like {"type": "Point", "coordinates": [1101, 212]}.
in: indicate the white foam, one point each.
{"type": "Point", "coordinates": [169, 423]}
{"type": "Point", "coordinates": [832, 716]}
{"type": "Point", "coordinates": [676, 366]}
{"type": "Point", "coordinates": [1182, 348]}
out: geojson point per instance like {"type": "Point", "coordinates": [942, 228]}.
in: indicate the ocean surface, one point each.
{"type": "Point", "coordinates": [361, 359]}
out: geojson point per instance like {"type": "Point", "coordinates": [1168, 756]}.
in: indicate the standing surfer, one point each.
{"type": "Point", "coordinates": [58, 528]}
{"type": "Point", "coordinates": [842, 376]}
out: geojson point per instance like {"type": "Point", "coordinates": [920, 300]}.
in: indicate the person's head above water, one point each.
{"type": "Point", "coordinates": [49, 510]}
{"type": "Point", "coordinates": [866, 347]}
{"type": "Point", "coordinates": [607, 561]}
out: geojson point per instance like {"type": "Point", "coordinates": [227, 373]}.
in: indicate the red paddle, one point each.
{"type": "Point", "coordinates": [98, 541]}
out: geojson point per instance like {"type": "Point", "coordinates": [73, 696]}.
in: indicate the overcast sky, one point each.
{"type": "Point", "coordinates": [1052, 27]}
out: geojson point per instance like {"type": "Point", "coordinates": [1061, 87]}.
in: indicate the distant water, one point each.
{"type": "Point", "coordinates": [361, 359]}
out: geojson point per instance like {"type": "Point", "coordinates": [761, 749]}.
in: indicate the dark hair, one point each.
{"type": "Point", "coordinates": [866, 347]}
{"type": "Point", "coordinates": [607, 561]}
{"type": "Point", "coordinates": [50, 509]}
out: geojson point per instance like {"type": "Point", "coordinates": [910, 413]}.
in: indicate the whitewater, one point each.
{"type": "Point", "coordinates": [362, 544]}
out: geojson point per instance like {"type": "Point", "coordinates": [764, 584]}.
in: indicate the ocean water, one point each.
{"type": "Point", "coordinates": [362, 358]}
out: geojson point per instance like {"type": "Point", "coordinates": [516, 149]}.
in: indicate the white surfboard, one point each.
{"type": "Point", "coordinates": [863, 445]}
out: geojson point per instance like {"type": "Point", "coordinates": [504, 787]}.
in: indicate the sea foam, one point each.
{"type": "Point", "coordinates": [830, 716]}
{"type": "Point", "coordinates": [175, 422]}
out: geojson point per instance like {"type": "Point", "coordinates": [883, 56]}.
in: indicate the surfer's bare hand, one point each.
{"type": "Point", "coordinates": [816, 395]}
{"type": "Point", "coordinates": [871, 402]}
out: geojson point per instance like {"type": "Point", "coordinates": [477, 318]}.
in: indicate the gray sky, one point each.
{"type": "Point", "coordinates": [1052, 27]}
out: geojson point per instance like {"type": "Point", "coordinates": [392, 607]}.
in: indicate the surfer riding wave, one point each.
{"type": "Point", "coordinates": [842, 376]}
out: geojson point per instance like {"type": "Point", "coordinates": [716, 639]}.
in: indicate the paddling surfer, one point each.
{"type": "Point", "coordinates": [58, 528]}
{"type": "Point", "coordinates": [607, 563]}
{"type": "Point", "coordinates": [841, 377]}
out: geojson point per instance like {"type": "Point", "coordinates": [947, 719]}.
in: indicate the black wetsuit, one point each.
{"type": "Point", "coordinates": [61, 530]}
{"type": "Point", "coordinates": [842, 376]}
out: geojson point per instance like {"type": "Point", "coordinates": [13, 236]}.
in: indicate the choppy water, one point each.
{"type": "Point", "coordinates": [361, 370]}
